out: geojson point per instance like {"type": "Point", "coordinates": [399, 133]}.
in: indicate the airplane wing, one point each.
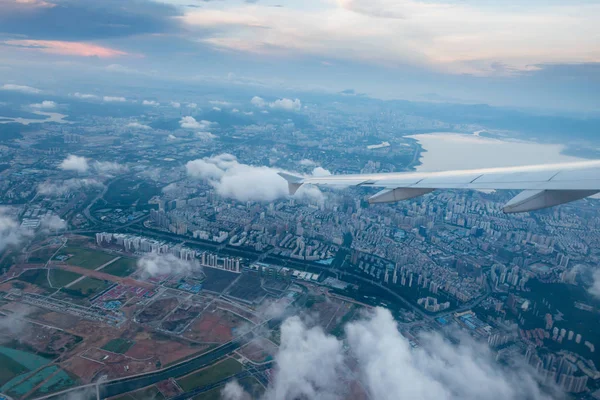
{"type": "Point", "coordinates": [542, 185]}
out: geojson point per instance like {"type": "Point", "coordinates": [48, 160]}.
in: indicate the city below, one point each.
{"type": "Point", "coordinates": [151, 251]}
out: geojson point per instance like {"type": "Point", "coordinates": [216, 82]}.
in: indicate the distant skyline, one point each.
{"type": "Point", "coordinates": [534, 54]}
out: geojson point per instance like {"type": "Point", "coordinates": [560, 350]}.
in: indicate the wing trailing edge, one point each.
{"type": "Point", "coordinates": [541, 186]}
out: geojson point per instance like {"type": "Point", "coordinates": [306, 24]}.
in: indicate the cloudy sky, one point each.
{"type": "Point", "coordinates": [531, 53]}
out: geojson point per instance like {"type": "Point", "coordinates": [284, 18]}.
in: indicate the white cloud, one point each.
{"type": "Point", "coordinates": [74, 163]}
{"type": "Point", "coordinates": [150, 103]}
{"type": "Point", "coordinates": [114, 99]}
{"type": "Point", "coordinates": [153, 264]}
{"type": "Point", "coordinates": [280, 104]}
{"type": "Point", "coordinates": [14, 322]}
{"type": "Point", "coordinates": [137, 125]}
{"type": "Point", "coordinates": [463, 37]}
{"type": "Point", "coordinates": [171, 137]}
{"type": "Point", "coordinates": [233, 391]}
{"type": "Point", "coordinates": [11, 233]}
{"type": "Point", "coordinates": [204, 169]}
{"type": "Point", "coordinates": [258, 102]}
{"type": "Point", "coordinates": [244, 182]}
{"type": "Point", "coordinates": [109, 167]}
{"type": "Point", "coordinates": [84, 96]}
{"type": "Point", "coordinates": [192, 105]}
{"type": "Point", "coordinates": [67, 186]}
{"type": "Point", "coordinates": [235, 110]}
{"type": "Point", "coordinates": [216, 109]}
{"type": "Point", "coordinates": [205, 135]}
{"type": "Point", "coordinates": [595, 288]}
{"type": "Point", "coordinates": [44, 105]}
{"type": "Point", "coordinates": [320, 171]}
{"type": "Point", "coordinates": [20, 88]}
{"type": "Point", "coordinates": [53, 223]}
{"type": "Point", "coordinates": [191, 123]}
{"type": "Point", "coordinates": [314, 365]}
{"type": "Point", "coordinates": [287, 104]}
{"type": "Point", "coordinates": [248, 113]}
{"type": "Point", "coordinates": [175, 104]}
{"type": "Point", "coordinates": [307, 163]}
{"type": "Point", "coordinates": [220, 103]}
{"type": "Point", "coordinates": [309, 364]}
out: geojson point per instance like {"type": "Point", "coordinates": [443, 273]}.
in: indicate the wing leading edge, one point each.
{"type": "Point", "coordinates": [542, 185]}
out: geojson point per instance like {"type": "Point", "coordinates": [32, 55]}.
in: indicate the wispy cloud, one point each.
{"type": "Point", "coordinates": [84, 96]}
{"type": "Point", "coordinates": [44, 105]}
{"type": "Point", "coordinates": [79, 49]}
{"type": "Point", "coordinates": [114, 99]}
{"type": "Point", "coordinates": [20, 88]}
{"type": "Point", "coordinates": [457, 38]}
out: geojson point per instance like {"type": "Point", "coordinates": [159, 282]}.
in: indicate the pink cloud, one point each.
{"type": "Point", "coordinates": [35, 3]}
{"type": "Point", "coordinates": [67, 48]}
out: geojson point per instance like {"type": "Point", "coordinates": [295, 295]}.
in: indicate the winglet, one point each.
{"type": "Point", "coordinates": [294, 182]}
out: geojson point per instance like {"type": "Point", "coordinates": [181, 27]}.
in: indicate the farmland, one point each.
{"type": "Point", "coordinates": [84, 257]}
{"type": "Point", "coordinates": [210, 375]}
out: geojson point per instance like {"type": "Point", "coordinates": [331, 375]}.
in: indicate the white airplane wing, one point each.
{"type": "Point", "coordinates": [542, 185]}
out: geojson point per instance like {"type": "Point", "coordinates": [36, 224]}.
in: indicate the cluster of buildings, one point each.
{"type": "Point", "coordinates": [431, 304]}
{"type": "Point", "coordinates": [140, 244]}
{"type": "Point", "coordinates": [558, 370]}
{"type": "Point", "coordinates": [276, 271]}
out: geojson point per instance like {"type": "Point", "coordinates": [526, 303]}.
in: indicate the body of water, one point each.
{"type": "Point", "coordinates": [50, 117]}
{"type": "Point", "coordinates": [450, 151]}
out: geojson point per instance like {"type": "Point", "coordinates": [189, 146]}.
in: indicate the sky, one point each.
{"type": "Point", "coordinates": [535, 54]}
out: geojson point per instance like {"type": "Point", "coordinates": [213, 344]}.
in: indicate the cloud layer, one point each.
{"type": "Point", "coordinates": [44, 105]}
{"type": "Point", "coordinates": [243, 182]}
{"type": "Point", "coordinates": [11, 233]}
{"type": "Point", "coordinates": [191, 123]}
{"type": "Point", "coordinates": [20, 88]}
{"type": "Point", "coordinates": [284, 104]}
{"type": "Point", "coordinates": [153, 264]}
{"type": "Point", "coordinates": [595, 288]}
{"type": "Point", "coordinates": [67, 186]}
{"type": "Point", "coordinates": [314, 365]}
{"type": "Point", "coordinates": [74, 163]}
{"type": "Point", "coordinates": [457, 37]}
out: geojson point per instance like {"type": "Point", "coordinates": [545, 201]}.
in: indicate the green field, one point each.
{"type": "Point", "coordinates": [60, 278]}
{"type": "Point", "coordinates": [19, 389]}
{"type": "Point", "coordinates": [41, 256]}
{"type": "Point", "coordinates": [253, 387]}
{"type": "Point", "coordinates": [149, 393]}
{"type": "Point", "coordinates": [9, 369]}
{"type": "Point", "coordinates": [38, 277]}
{"type": "Point", "coordinates": [210, 375]}
{"type": "Point", "coordinates": [250, 385]}
{"type": "Point", "coordinates": [59, 381]}
{"type": "Point", "coordinates": [118, 345]}
{"type": "Point", "coordinates": [122, 267]}
{"type": "Point", "coordinates": [87, 287]}
{"type": "Point", "coordinates": [86, 258]}
{"type": "Point", "coordinates": [213, 394]}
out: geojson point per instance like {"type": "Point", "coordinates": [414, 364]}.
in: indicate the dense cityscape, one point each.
{"type": "Point", "coordinates": [165, 239]}
{"type": "Point", "coordinates": [299, 200]}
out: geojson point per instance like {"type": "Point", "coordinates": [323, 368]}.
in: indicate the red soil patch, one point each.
{"type": "Point", "coordinates": [214, 327]}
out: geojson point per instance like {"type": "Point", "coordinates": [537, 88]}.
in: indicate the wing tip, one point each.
{"type": "Point", "coordinates": [294, 182]}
